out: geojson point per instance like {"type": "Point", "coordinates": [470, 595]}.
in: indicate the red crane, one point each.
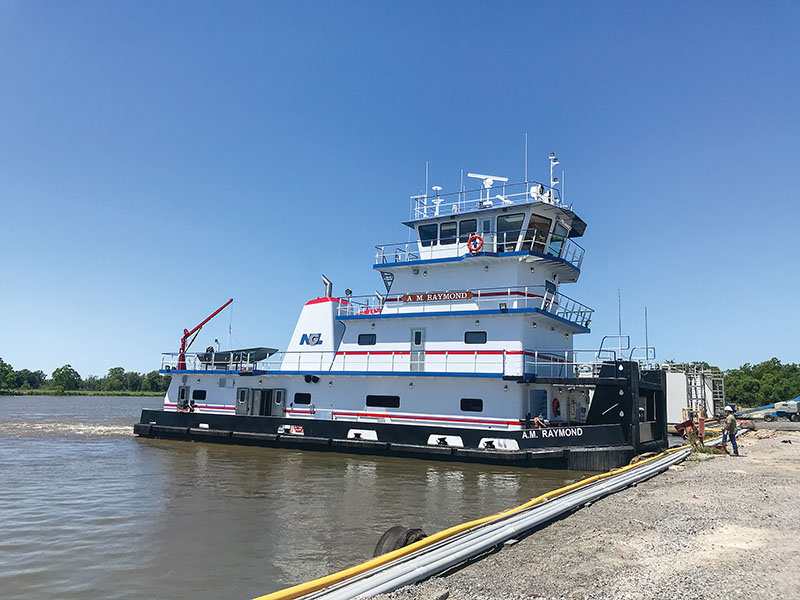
{"type": "Point", "coordinates": [187, 334]}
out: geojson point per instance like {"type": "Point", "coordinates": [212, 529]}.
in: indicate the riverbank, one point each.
{"type": "Point", "coordinates": [713, 527]}
{"type": "Point", "coordinates": [75, 393]}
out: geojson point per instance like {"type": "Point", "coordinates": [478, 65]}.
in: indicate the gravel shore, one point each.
{"type": "Point", "coordinates": [714, 527]}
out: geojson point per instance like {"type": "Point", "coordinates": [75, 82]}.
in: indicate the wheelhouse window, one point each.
{"type": "Point", "coordinates": [475, 337]}
{"type": "Point", "coordinates": [471, 405]}
{"type": "Point", "coordinates": [198, 394]}
{"type": "Point", "coordinates": [367, 339]}
{"type": "Point", "coordinates": [466, 228]}
{"type": "Point", "coordinates": [447, 233]}
{"type": "Point", "coordinates": [508, 229]}
{"type": "Point", "coordinates": [428, 234]}
{"type": "Point", "coordinates": [536, 236]}
{"type": "Point", "coordinates": [302, 398]}
{"type": "Point", "coordinates": [383, 401]}
{"type": "Point", "coordinates": [557, 239]}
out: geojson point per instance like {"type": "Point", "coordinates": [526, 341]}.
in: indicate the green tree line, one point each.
{"type": "Point", "coordinates": [765, 383]}
{"type": "Point", "coordinates": [66, 378]}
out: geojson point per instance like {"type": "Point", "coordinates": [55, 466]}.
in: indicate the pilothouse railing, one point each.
{"type": "Point", "coordinates": [503, 194]}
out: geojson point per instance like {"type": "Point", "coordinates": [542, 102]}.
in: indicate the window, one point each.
{"type": "Point", "coordinates": [557, 239]}
{"type": "Point", "coordinates": [536, 236]}
{"type": "Point", "coordinates": [467, 228]}
{"type": "Point", "coordinates": [471, 404]}
{"type": "Point", "coordinates": [367, 339]}
{"type": "Point", "coordinates": [447, 233]}
{"type": "Point", "coordinates": [475, 337]}
{"type": "Point", "coordinates": [383, 401]}
{"type": "Point", "coordinates": [198, 394]}
{"type": "Point", "coordinates": [242, 394]}
{"type": "Point", "coordinates": [427, 234]}
{"type": "Point", "coordinates": [302, 398]}
{"type": "Point", "coordinates": [508, 230]}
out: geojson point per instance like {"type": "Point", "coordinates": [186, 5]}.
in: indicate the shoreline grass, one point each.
{"type": "Point", "coordinates": [45, 392]}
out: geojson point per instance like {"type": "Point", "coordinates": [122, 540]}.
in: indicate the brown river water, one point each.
{"type": "Point", "coordinates": [88, 510]}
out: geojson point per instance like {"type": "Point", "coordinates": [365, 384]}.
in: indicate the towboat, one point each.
{"type": "Point", "coordinates": [468, 354]}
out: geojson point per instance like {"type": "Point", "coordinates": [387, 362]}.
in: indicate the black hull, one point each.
{"type": "Point", "coordinates": [585, 448]}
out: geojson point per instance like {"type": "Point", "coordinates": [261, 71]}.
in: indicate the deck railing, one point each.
{"type": "Point", "coordinates": [537, 241]}
{"type": "Point", "coordinates": [550, 363]}
{"type": "Point", "coordinates": [521, 297]}
{"type": "Point", "coordinates": [501, 194]}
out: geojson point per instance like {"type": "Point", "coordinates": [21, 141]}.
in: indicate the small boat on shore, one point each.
{"type": "Point", "coordinates": [467, 355]}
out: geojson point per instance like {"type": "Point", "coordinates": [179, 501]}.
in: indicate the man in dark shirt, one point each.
{"type": "Point", "coordinates": [729, 427]}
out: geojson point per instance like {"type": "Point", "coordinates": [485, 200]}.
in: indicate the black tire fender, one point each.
{"type": "Point", "coordinates": [397, 537]}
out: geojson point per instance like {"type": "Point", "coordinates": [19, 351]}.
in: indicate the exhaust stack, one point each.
{"type": "Point", "coordinates": [328, 286]}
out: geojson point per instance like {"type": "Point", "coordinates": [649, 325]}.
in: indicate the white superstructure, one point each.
{"type": "Point", "coordinates": [472, 318]}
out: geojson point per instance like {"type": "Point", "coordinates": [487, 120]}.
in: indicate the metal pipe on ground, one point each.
{"type": "Point", "coordinates": [426, 562]}
{"type": "Point", "coordinates": [718, 440]}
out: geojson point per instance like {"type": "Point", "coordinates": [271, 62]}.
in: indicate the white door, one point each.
{"type": "Point", "coordinates": [418, 349]}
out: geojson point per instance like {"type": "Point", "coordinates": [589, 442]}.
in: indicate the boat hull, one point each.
{"type": "Point", "coordinates": [585, 447]}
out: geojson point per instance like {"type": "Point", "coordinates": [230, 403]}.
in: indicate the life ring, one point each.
{"type": "Point", "coordinates": [556, 407]}
{"type": "Point", "coordinates": [475, 243]}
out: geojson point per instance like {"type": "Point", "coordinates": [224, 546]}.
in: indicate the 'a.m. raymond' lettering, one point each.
{"type": "Point", "coordinates": [552, 432]}
{"type": "Point", "coordinates": [437, 296]}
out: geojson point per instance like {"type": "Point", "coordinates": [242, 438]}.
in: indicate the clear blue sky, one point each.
{"type": "Point", "coordinates": [157, 158]}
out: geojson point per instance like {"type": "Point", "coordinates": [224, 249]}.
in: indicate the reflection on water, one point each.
{"type": "Point", "coordinates": [89, 511]}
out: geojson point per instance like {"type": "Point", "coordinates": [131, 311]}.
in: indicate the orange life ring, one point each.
{"type": "Point", "coordinates": [475, 243]}
{"type": "Point", "coordinates": [556, 407]}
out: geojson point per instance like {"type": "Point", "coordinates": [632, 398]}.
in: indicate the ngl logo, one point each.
{"type": "Point", "coordinates": [311, 339]}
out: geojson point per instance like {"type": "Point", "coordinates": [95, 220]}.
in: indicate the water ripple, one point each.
{"type": "Point", "coordinates": [41, 428]}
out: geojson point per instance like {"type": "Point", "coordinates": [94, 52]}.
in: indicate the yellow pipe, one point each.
{"type": "Point", "coordinates": [314, 585]}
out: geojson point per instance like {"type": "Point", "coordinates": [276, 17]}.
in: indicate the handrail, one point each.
{"type": "Point", "coordinates": [515, 297]}
{"type": "Point", "coordinates": [534, 240]}
{"type": "Point", "coordinates": [505, 194]}
{"type": "Point", "coordinates": [560, 362]}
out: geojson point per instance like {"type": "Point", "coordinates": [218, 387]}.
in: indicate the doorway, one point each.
{"type": "Point", "coordinates": [418, 349]}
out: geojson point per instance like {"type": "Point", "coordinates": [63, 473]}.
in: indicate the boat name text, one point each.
{"type": "Point", "coordinates": [554, 432]}
{"type": "Point", "coordinates": [436, 296]}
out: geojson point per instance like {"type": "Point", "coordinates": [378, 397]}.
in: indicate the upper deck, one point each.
{"type": "Point", "coordinates": [519, 219]}
{"type": "Point", "coordinates": [543, 299]}
{"type": "Point", "coordinates": [485, 198]}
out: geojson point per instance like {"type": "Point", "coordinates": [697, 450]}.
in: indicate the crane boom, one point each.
{"type": "Point", "coordinates": [187, 334]}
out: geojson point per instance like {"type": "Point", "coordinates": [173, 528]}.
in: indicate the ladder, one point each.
{"type": "Point", "coordinates": [705, 391]}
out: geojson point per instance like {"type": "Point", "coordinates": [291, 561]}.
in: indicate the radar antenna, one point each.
{"type": "Point", "coordinates": [488, 182]}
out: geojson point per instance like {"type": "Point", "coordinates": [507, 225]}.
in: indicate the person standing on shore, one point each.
{"type": "Point", "coordinates": [729, 429]}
